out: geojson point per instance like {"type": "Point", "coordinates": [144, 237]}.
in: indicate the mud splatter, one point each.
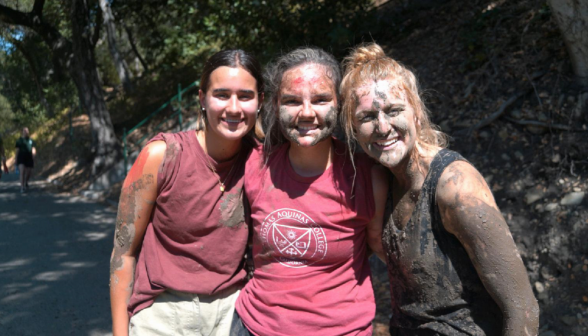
{"type": "Point", "coordinates": [330, 123]}
{"type": "Point", "coordinates": [125, 220]}
{"type": "Point", "coordinates": [232, 212]}
{"type": "Point", "coordinates": [290, 131]}
{"type": "Point", "coordinates": [380, 94]}
{"type": "Point", "coordinates": [172, 150]}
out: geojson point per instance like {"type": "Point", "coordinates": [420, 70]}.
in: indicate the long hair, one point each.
{"type": "Point", "coordinates": [368, 63]}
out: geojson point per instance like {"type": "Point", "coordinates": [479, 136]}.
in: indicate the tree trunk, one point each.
{"type": "Point", "coordinates": [572, 19]}
{"type": "Point", "coordinates": [134, 47]}
{"type": "Point", "coordinates": [77, 56]}
{"type": "Point", "coordinates": [85, 75]}
{"type": "Point", "coordinates": [35, 76]}
{"type": "Point", "coordinates": [119, 63]}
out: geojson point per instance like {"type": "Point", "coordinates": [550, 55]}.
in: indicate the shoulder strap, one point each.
{"type": "Point", "coordinates": [444, 158]}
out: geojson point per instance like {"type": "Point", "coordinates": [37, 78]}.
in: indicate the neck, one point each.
{"type": "Point", "coordinates": [218, 148]}
{"type": "Point", "coordinates": [407, 174]}
{"type": "Point", "coordinates": [311, 161]}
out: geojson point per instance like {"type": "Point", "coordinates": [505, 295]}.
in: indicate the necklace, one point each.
{"type": "Point", "coordinates": [214, 172]}
{"type": "Point", "coordinates": [221, 183]}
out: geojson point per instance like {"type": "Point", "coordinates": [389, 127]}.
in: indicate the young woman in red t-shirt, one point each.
{"type": "Point", "coordinates": [177, 262]}
{"type": "Point", "coordinates": [313, 210]}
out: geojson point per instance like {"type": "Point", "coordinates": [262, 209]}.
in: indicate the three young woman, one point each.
{"type": "Point", "coordinates": [177, 263]}
{"type": "Point", "coordinates": [453, 265]}
{"type": "Point", "coordinates": [454, 268]}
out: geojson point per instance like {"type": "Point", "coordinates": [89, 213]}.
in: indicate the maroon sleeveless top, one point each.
{"type": "Point", "coordinates": [196, 238]}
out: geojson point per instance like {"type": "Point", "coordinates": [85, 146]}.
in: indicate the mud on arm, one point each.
{"type": "Point", "coordinates": [375, 226]}
{"type": "Point", "coordinates": [469, 212]}
{"type": "Point", "coordinates": [136, 203]}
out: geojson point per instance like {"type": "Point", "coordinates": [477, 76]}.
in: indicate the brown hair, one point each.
{"type": "Point", "coordinates": [274, 74]}
{"type": "Point", "coordinates": [232, 58]}
{"type": "Point", "coordinates": [367, 63]}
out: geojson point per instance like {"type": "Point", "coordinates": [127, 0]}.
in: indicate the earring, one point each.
{"type": "Point", "coordinates": [203, 109]}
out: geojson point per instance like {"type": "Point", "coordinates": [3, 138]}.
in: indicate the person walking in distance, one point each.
{"type": "Point", "coordinates": [25, 158]}
{"type": "Point", "coordinates": [2, 158]}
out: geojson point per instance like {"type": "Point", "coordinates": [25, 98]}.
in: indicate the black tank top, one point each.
{"type": "Point", "coordinates": [434, 286]}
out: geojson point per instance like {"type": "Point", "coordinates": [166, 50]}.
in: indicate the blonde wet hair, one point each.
{"type": "Point", "coordinates": [368, 63]}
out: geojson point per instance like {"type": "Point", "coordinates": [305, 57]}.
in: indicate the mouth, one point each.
{"type": "Point", "coordinates": [232, 121]}
{"type": "Point", "coordinates": [386, 144]}
{"type": "Point", "coordinates": [306, 129]}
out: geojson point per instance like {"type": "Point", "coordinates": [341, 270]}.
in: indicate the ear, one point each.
{"type": "Point", "coordinates": [261, 97]}
{"type": "Point", "coordinates": [201, 97]}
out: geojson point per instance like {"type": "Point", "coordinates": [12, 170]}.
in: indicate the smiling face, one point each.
{"type": "Point", "coordinates": [385, 122]}
{"type": "Point", "coordinates": [231, 102]}
{"type": "Point", "coordinates": [308, 105]}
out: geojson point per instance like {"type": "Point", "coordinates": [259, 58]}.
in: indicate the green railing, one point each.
{"type": "Point", "coordinates": [177, 112]}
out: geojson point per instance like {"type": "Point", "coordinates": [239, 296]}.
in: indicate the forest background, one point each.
{"type": "Point", "coordinates": [506, 79]}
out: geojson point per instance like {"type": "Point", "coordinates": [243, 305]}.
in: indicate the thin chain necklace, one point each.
{"type": "Point", "coordinates": [214, 172]}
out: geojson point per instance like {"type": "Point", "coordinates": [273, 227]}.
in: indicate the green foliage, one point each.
{"type": "Point", "coordinates": [174, 32]}
{"type": "Point", "coordinates": [174, 37]}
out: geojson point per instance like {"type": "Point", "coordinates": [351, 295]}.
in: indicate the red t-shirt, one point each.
{"type": "Point", "coordinates": [312, 275]}
{"type": "Point", "coordinates": [197, 236]}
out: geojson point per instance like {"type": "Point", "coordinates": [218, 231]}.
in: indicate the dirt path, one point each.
{"type": "Point", "coordinates": [54, 253]}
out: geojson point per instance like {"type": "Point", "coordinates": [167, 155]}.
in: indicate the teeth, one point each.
{"type": "Point", "coordinates": [387, 143]}
{"type": "Point", "coordinates": [233, 120]}
{"type": "Point", "coordinates": [306, 128]}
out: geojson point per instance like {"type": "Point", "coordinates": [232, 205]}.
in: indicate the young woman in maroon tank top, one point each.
{"type": "Point", "coordinates": [180, 237]}
{"type": "Point", "coordinates": [312, 211]}
{"type": "Point", "coordinates": [454, 267]}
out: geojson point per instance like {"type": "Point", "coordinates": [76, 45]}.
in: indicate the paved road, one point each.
{"type": "Point", "coordinates": [54, 259]}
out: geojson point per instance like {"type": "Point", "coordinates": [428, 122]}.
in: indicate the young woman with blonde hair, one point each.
{"type": "Point", "coordinates": [454, 267]}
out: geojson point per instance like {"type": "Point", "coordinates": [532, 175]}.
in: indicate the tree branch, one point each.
{"type": "Point", "coordinates": [546, 125]}
{"type": "Point", "coordinates": [38, 8]}
{"type": "Point", "coordinates": [14, 17]}
{"type": "Point", "coordinates": [97, 28]}
{"type": "Point", "coordinates": [59, 45]}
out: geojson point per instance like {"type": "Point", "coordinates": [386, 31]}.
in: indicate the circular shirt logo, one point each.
{"type": "Point", "coordinates": [295, 239]}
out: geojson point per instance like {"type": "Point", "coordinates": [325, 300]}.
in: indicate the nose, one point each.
{"type": "Point", "coordinates": [233, 105]}
{"type": "Point", "coordinates": [307, 111]}
{"type": "Point", "coordinates": [383, 123]}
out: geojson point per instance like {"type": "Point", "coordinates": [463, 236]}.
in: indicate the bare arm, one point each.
{"type": "Point", "coordinates": [374, 229]}
{"type": "Point", "coordinates": [470, 213]}
{"type": "Point", "coordinates": [137, 199]}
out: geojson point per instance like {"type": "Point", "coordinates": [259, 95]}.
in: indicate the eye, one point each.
{"type": "Point", "coordinates": [395, 111]}
{"type": "Point", "coordinates": [290, 102]}
{"type": "Point", "coordinates": [221, 95]}
{"type": "Point", "coordinates": [368, 117]}
{"type": "Point", "coordinates": [322, 99]}
{"type": "Point", "coordinates": [246, 96]}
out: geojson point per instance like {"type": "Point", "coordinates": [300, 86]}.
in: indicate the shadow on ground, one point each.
{"type": "Point", "coordinates": [54, 261]}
